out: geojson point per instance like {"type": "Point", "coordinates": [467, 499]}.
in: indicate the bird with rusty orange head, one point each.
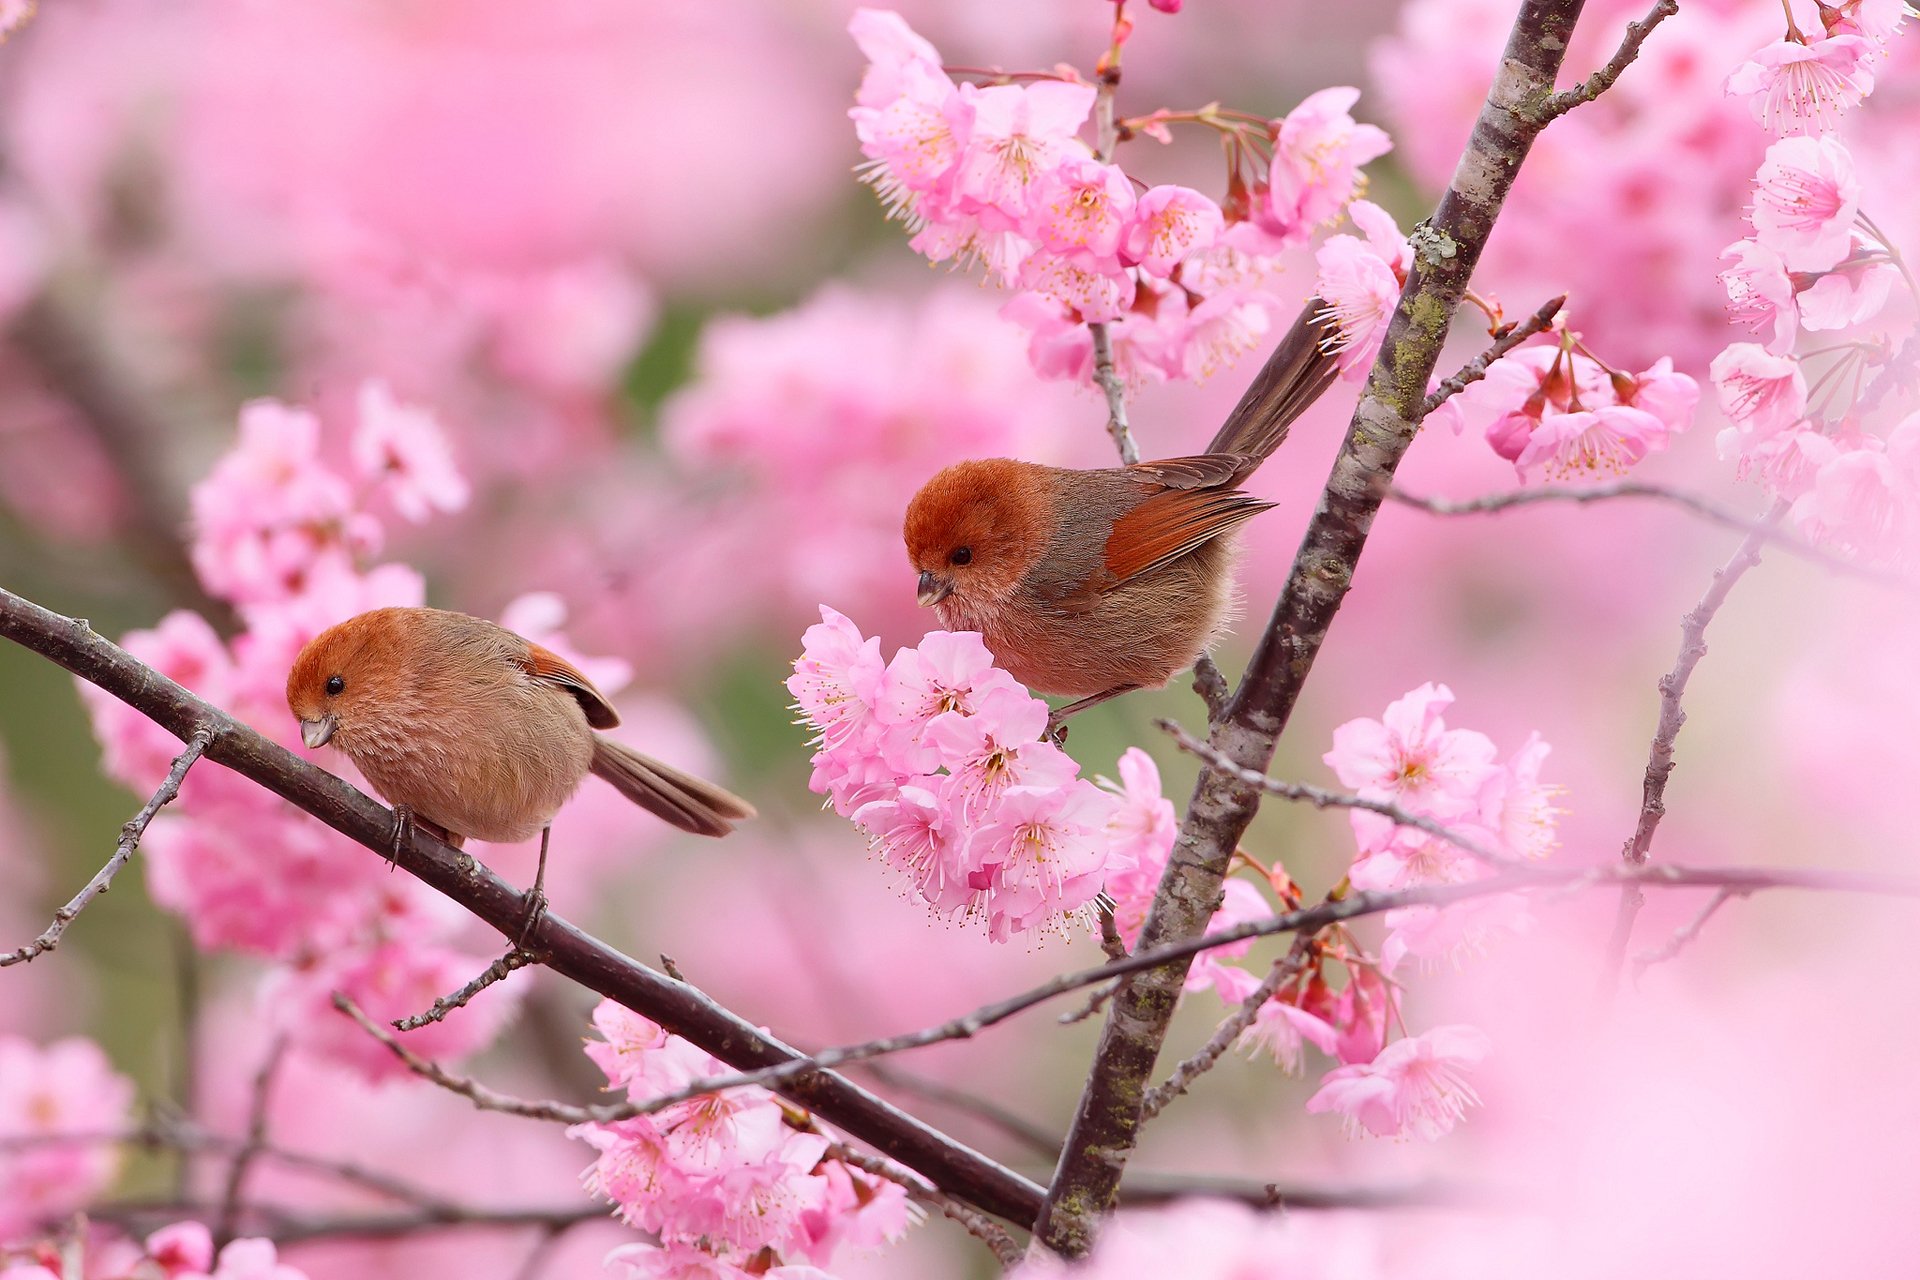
{"type": "Point", "coordinates": [480, 734]}
{"type": "Point", "coordinates": [1092, 583]}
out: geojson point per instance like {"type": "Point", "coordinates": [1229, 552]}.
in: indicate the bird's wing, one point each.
{"type": "Point", "coordinates": [547, 666]}
{"type": "Point", "coordinates": [1171, 523]}
{"type": "Point", "coordinates": [1200, 471]}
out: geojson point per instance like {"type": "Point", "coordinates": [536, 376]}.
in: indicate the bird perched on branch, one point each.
{"type": "Point", "coordinates": [1094, 583]}
{"type": "Point", "coordinates": [464, 726]}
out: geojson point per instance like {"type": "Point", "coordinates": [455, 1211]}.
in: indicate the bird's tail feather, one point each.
{"type": "Point", "coordinates": [1300, 368]}
{"type": "Point", "coordinates": [680, 798]}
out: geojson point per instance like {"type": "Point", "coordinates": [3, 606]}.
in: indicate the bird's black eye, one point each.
{"type": "Point", "coordinates": [962, 555]}
{"type": "Point", "coordinates": [334, 685]}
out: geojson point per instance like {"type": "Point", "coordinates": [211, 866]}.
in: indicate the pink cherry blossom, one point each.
{"type": "Point", "coordinates": [1607, 441]}
{"type": "Point", "coordinates": [1417, 1084]}
{"type": "Point", "coordinates": [1860, 502]}
{"type": "Point", "coordinates": [1170, 223]}
{"type": "Point", "coordinates": [1281, 1030]}
{"type": "Point", "coordinates": [67, 1087]}
{"type": "Point", "coordinates": [1316, 163]}
{"type": "Point", "coordinates": [1409, 756]}
{"type": "Point", "coordinates": [253, 1260]}
{"type": "Point", "coordinates": [1358, 282]}
{"type": "Point", "coordinates": [1795, 88]}
{"type": "Point", "coordinates": [404, 450]}
{"type": "Point", "coordinates": [183, 1248]}
{"type": "Point", "coordinates": [1804, 200]}
{"type": "Point", "coordinates": [1852, 293]}
{"type": "Point", "coordinates": [1020, 134]}
{"type": "Point", "coordinates": [1760, 295]}
{"type": "Point", "coordinates": [1761, 393]}
{"type": "Point", "coordinates": [1082, 210]}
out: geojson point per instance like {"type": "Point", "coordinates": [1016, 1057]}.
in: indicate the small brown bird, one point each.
{"type": "Point", "coordinates": [1094, 583]}
{"type": "Point", "coordinates": [463, 725]}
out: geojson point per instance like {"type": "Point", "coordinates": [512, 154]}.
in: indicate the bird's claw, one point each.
{"type": "Point", "coordinates": [533, 912]}
{"type": "Point", "coordinates": [402, 832]}
{"type": "Point", "coordinates": [1056, 730]}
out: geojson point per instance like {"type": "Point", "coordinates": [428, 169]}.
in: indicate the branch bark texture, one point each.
{"type": "Point", "coordinates": [1086, 1182]}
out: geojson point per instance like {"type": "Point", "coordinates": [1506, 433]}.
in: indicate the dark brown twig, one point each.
{"type": "Point", "coordinates": [515, 958]}
{"type": "Point", "coordinates": [1005, 1249]}
{"type": "Point", "coordinates": [1229, 1030]}
{"type": "Point", "coordinates": [130, 834]}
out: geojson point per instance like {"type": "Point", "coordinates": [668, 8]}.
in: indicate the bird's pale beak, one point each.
{"type": "Point", "coordinates": [316, 733]}
{"type": "Point", "coordinates": [933, 590]}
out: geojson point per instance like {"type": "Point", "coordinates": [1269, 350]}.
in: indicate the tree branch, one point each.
{"type": "Point", "coordinates": [136, 826]}
{"type": "Point", "coordinates": [1446, 249]}
{"type": "Point", "coordinates": [514, 958]}
{"type": "Point", "coordinates": [255, 1142]}
{"type": "Point", "coordinates": [1229, 1030]}
{"type": "Point", "coordinates": [681, 1009]}
{"type": "Point", "coordinates": [1702, 507]}
{"type": "Point", "coordinates": [1685, 933]}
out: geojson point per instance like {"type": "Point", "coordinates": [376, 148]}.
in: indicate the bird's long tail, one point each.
{"type": "Point", "coordinates": [680, 798]}
{"type": "Point", "coordinates": [1300, 368]}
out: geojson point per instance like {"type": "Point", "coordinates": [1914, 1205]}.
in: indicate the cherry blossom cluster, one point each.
{"type": "Point", "coordinates": [998, 174]}
{"type": "Point", "coordinates": [183, 1251]}
{"type": "Point", "coordinates": [733, 1184]}
{"type": "Point", "coordinates": [1556, 409]}
{"type": "Point", "coordinates": [1814, 435]}
{"type": "Point", "coordinates": [284, 528]}
{"type": "Point", "coordinates": [938, 756]}
{"type": "Point", "coordinates": [66, 1088]}
{"type": "Point", "coordinates": [1415, 1084]}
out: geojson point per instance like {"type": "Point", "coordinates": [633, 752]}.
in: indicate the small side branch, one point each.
{"type": "Point", "coordinates": [1602, 80]}
{"type": "Point", "coordinates": [1476, 369]}
{"type": "Point", "coordinates": [1685, 934]}
{"type": "Point", "coordinates": [1673, 687]}
{"type": "Point", "coordinates": [123, 852]}
{"type": "Point", "coordinates": [495, 972]}
{"type": "Point", "coordinates": [472, 1090]}
{"type": "Point", "coordinates": [1230, 1030]}
{"type": "Point", "coordinates": [1108, 380]}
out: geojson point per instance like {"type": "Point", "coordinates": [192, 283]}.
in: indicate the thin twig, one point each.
{"type": "Point", "coordinates": [515, 958]}
{"type": "Point", "coordinates": [1283, 971]}
{"type": "Point", "coordinates": [1105, 376]}
{"type": "Point", "coordinates": [129, 841]}
{"type": "Point", "coordinates": [1685, 934]}
{"type": "Point", "coordinates": [258, 1112]}
{"type": "Point", "coordinates": [1703, 507]}
{"type": "Point", "coordinates": [1602, 80]}
{"type": "Point", "coordinates": [1210, 685]}
{"type": "Point", "coordinates": [1673, 687]}
{"type": "Point", "coordinates": [1005, 1249]}
{"type": "Point", "coordinates": [478, 1094]}
{"type": "Point", "coordinates": [1322, 798]}
{"type": "Point", "coordinates": [1112, 945]}
{"type": "Point", "coordinates": [1094, 1003]}
{"type": "Point", "coordinates": [1476, 368]}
